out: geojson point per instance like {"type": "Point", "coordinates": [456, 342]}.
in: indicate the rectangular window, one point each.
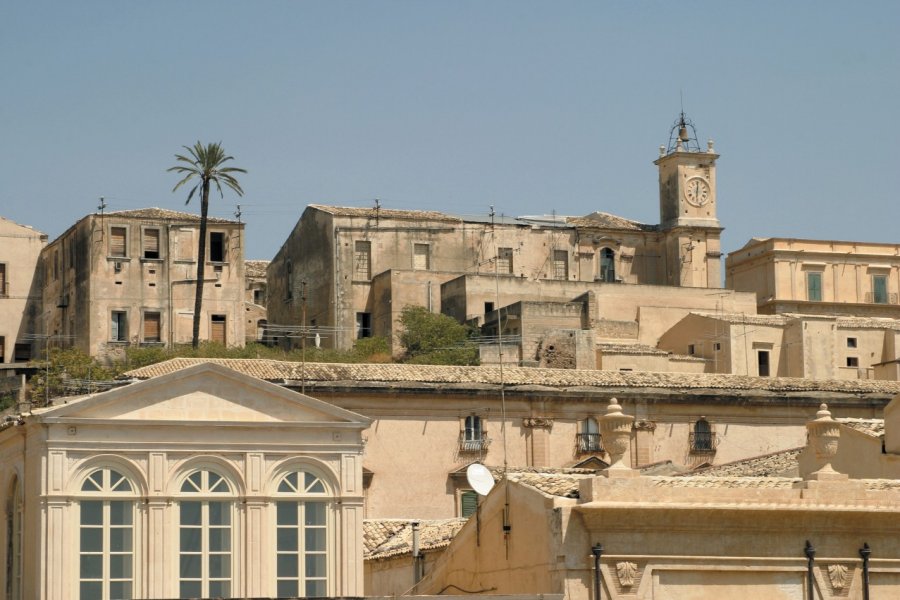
{"type": "Point", "coordinates": [117, 241]}
{"type": "Point", "coordinates": [560, 264]}
{"type": "Point", "coordinates": [814, 286]}
{"type": "Point", "coordinates": [4, 292]}
{"type": "Point", "coordinates": [505, 260]}
{"type": "Point", "coordinates": [717, 346]}
{"type": "Point", "coordinates": [151, 243]}
{"type": "Point", "coordinates": [879, 289]}
{"type": "Point", "coordinates": [762, 363]}
{"type": "Point", "coordinates": [152, 327]}
{"type": "Point", "coordinates": [106, 534]}
{"type": "Point", "coordinates": [691, 349]}
{"type": "Point", "coordinates": [118, 327]}
{"type": "Point", "coordinates": [302, 549]}
{"type": "Point", "coordinates": [55, 265]}
{"type": "Point", "coordinates": [363, 325]}
{"type": "Point", "coordinates": [852, 361]}
{"type": "Point", "coordinates": [488, 307]}
{"type": "Point", "coordinates": [259, 297]}
{"type": "Point", "coordinates": [468, 503]}
{"type": "Point", "coordinates": [421, 257]}
{"type": "Point", "coordinates": [362, 261]}
{"type": "Point", "coordinates": [205, 550]}
{"type": "Point", "coordinates": [22, 352]}
{"type": "Point", "coordinates": [186, 244]}
{"type": "Point", "coordinates": [2, 349]}
{"type": "Point", "coordinates": [851, 342]}
{"type": "Point", "coordinates": [217, 329]}
{"type": "Point", "coordinates": [216, 246]}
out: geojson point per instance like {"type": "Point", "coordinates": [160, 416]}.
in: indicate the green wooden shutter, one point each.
{"type": "Point", "coordinates": [468, 503]}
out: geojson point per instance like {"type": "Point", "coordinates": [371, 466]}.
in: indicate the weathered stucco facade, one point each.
{"type": "Point", "coordinates": [204, 483]}
{"type": "Point", "coordinates": [20, 248]}
{"type": "Point", "coordinates": [818, 276]}
{"type": "Point", "coordinates": [128, 278]}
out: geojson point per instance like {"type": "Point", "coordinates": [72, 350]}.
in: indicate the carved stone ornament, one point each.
{"type": "Point", "coordinates": [839, 576]}
{"type": "Point", "coordinates": [824, 433]}
{"type": "Point", "coordinates": [615, 430]}
{"type": "Point", "coordinates": [537, 422]}
{"type": "Point", "coordinates": [644, 425]}
{"type": "Point", "coordinates": [626, 571]}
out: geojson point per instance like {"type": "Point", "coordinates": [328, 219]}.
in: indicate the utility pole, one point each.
{"type": "Point", "coordinates": [303, 335]}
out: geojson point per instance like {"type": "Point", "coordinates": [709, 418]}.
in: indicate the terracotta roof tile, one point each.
{"type": "Point", "coordinates": [164, 214]}
{"type": "Point", "coordinates": [386, 213]}
{"type": "Point", "coordinates": [383, 538]}
{"type": "Point", "coordinates": [775, 464]}
{"type": "Point", "coordinates": [604, 220]}
{"type": "Point", "coordinates": [256, 268]}
{"type": "Point", "coordinates": [870, 427]}
{"type": "Point", "coordinates": [273, 370]}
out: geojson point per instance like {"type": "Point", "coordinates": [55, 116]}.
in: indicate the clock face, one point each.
{"type": "Point", "coordinates": [696, 191]}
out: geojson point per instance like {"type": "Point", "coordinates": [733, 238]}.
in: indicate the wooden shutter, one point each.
{"type": "Point", "coordinates": [217, 329]}
{"type": "Point", "coordinates": [151, 243]}
{"type": "Point", "coordinates": [117, 237]}
{"type": "Point", "coordinates": [185, 244]}
{"type": "Point", "coordinates": [468, 503]}
{"type": "Point", "coordinates": [151, 327]}
{"type": "Point", "coordinates": [420, 257]}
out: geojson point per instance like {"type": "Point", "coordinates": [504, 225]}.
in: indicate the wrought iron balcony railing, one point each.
{"type": "Point", "coordinates": [703, 442]}
{"type": "Point", "coordinates": [588, 442]}
{"type": "Point", "coordinates": [473, 442]}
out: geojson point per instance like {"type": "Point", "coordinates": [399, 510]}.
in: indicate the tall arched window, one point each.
{"type": "Point", "coordinates": [302, 536]}
{"type": "Point", "coordinates": [607, 265]}
{"type": "Point", "coordinates": [14, 542]}
{"type": "Point", "coordinates": [703, 436]}
{"type": "Point", "coordinates": [106, 537]}
{"type": "Point", "coordinates": [204, 552]}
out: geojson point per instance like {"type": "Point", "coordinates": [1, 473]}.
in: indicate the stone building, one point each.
{"type": "Point", "coordinates": [201, 484]}
{"type": "Point", "coordinates": [128, 278]}
{"type": "Point", "coordinates": [432, 421]}
{"type": "Point", "coordinates": [20, 248]}
{"type": "Point", "coordinates": [823, 277]}
{"type": "Point", "coordinates": [830, 530]}
{"type": "Point", "coordinates": [255, 300]}
{"type": "Point", "coordinates": [350, 271]}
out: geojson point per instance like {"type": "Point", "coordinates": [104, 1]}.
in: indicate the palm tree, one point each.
{"type": "Point", "coordinates": [204, 163]}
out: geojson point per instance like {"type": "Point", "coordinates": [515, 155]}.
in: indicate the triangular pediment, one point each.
{"type": "Point", "coordinates": [205, 393]}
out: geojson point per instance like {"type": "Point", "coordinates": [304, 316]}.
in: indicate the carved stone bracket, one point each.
{"type": "Point", "coordinates": [644, 425]}
{"type": "Point", "coordinates": [538, 422]}
{"type": "Point", "coordinates": [627, 573]}
{"type": "Point", "coordinates": [840, 577]}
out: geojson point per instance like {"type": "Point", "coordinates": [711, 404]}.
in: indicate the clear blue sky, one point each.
{"type": "Point", "coordinates": [533, 107]}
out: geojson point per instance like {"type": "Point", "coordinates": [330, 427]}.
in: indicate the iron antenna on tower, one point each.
{"type": "Point", "coordinates": [683, 136]}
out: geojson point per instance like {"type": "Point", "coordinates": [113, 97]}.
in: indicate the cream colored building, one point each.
{"type": "Point", "coordinates": [128, 278]}
{"type": "Point", "coordinates": [202, 483]}
{"type": "Point", "coordinates": [337, 257]}
{"type": "Point", "coordinates": [255, 300]}
{"type": "Point", "coordinates": [821, 535]}
{"type": "Point", "coordinates": [818, 276]}
{"type": "Point", "coordinates": [20, 247]}
{"type": "Point", "coordinates": [432, 421]}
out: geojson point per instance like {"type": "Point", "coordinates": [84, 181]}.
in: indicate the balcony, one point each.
{"type": "Point", "coordinates": [872, 298]}
{"type": "Point", "coordinates": [703, 442]}
{"type": "Point", "coordinates": [586, 443]}
{"type": "Point", "coordinates": [473, 441]}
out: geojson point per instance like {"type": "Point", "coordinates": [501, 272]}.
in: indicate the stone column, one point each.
{"type": "Point", "coordinates": [824, 433]}
{"type": "Point", "coordinates": [615, 432]}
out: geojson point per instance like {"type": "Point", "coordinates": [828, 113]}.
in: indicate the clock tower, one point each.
{"type": "Point", "coordinates": [687, 209]}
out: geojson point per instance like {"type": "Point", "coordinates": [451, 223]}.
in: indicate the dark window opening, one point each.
{"type": "Point", "coordinates": [702, 438]}
{"type": "Point", "coordinates": [607, 265]}
{"type": "Point", "coordinates": [118, 330]}
{"type": "Point", "coordinates": [852, 361]}
{"type": "Point", "coordinates": [151, 243]}
{"type": "Point", "coordinates": [216, 246]}
{"type": "Point", "coordinates": [851, 342]}
{"type": "Point", "coordinates": [488, 307]}
{"type": "Point", "coordinates": [22, 352]}
{"type": "Point", "coordinates": [762, 363]}
{"type": "Point", "coordinates": [363, 325]}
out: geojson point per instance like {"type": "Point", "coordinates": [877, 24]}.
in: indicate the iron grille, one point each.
{"type": "Point", "coordinates": [588, 442]}
{"type": "Point", "coordinates": [703, 442]}
{"type": "Point", "coordinates": [473, 442]}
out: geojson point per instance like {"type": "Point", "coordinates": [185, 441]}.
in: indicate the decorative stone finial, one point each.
{"type": "Point", "coordinates": [824, 433]}
{"type": "Point", "coordinates": [662, 151]}
{"type": "Point", "coordinates": [615, 431]}
{"type": "Point", "coordinates": [709, 146]}
{"type": "Point", "coordinates": [679, 147]}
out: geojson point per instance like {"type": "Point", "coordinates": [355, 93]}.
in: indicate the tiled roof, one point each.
{"type": "Point", "coordinates": [383, 538]}
{"type": "Point", "coordinates": [604, 220]}
{"type": "Point", "coordinates": [741, 318]}
{"type": "Point", "coordinates": [273, 370]}
{"type": "Point", "coordinates": [785, 318]}
{"type": "Point", "coordinates": [871, 427]}
{"type": "Point", "coordinates": [868, 323]}
{"type": "Point", "coordinates": [564, 485]}
{"type": "Point", "coordinates": [164, 214]}
{"type": "Point", "coordinates": [386, 213]}
{"type": "Point", "coordinates": [630, 349]}
{"type": "Point", "coordinates": [775, 464]}
{"type": "Point", "coordinates": [256, 268]}
{"type": "Point", "coordinates": [726, 482]}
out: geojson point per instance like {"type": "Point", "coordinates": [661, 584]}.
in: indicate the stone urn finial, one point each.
{"type": "Point", "coordinates": [615, 431]}
{"type": "Point", "coordinates": [824, 433]}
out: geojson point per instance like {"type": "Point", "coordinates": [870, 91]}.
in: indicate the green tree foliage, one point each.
{"type": "Point", "coordinates": [205, 164]}
{"type": "Point", "coordinates": [70, 372]}
{"type": "Point", "coordinates": [436, 339]}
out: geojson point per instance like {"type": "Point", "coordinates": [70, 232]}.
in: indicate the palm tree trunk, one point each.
{"type": "Point", "coordinates": [201, 262]}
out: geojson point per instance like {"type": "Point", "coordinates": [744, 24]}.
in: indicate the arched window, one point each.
{"type": "Point", "coordinates": [14, 542]}
{"type": "Point", "coordinates": [607, 265]}
{"type": "Point", "coordinates": [703, 437]}
{"type": "Point", "coordinates": [204, 553]}
{"type": "Point", "coordinates": [106, 537]}
{"type": "Point", "coordinates": [589, 438]}
{"type": "Point", "coordinates": [302, 536]}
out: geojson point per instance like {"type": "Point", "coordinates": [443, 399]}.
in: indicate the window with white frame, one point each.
{"type": "Point", "coordinates": [106, 537]}
{"type": "Point", "coordinates": [204, 533]}
{"type": "Point", "coordinates": [302, 536]}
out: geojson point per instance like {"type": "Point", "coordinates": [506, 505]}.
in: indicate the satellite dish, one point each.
{"type": "Point", "coordinates": [480, 478]}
